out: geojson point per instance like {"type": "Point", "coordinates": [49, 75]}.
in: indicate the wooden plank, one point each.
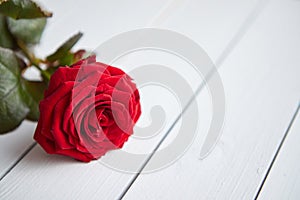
{"type": "Point", "coordinates": [45, 175]}
{"type": "Point", "coordinates": [261, 80]}
{"type": "Point", "coordinates": [283, 179]}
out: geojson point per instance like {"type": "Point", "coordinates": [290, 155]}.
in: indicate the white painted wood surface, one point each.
{"type": "Point", "coordinates": [92, 173]}
{"type": "Point", "coordinates": [283, 181]}
{"type": "Point", "coordinates": [99, 23]}
{"type": "Point", "coordinates": [261, 79]}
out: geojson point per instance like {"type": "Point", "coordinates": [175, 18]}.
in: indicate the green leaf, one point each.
{"type": "Point", "coordinates": [67, 59]}
{"type": "Point", "coordinates": [27, 30]}
{"type": "Point", "coordinates": [22, 9]}
{"type": "Point", "coordinates": [35, 93]}
{"type": "Point", "coordinates": [13, 108]}
{"type": "Point", "coordinates": [64, 49]}
{"type": "Point", "coordinates": [6, 40]}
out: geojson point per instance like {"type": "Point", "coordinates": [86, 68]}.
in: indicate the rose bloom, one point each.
{"type": "Point", "coordinates": [88, 109]}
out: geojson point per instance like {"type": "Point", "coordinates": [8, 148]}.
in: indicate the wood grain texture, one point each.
{"type": "Point", "coordinates": [45, 176]}
{"type": "Point", "coordinates": [261, 80]}
{"type": "Point", "coordinates": [283, 181]}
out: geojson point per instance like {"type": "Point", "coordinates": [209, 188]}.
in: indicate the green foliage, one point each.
{"type": "Point", "coordinates": [22, 23]}
{"type": "Point", "coordinates": [35, 93]}
{"type": "Point", "coordinates": [63, 51]}
{"type": "Point", "coordinates": [13, 108]}
{"type": "Point", "coordinates": [22, 9]}
{"type": "Point", "coordinates": [27, 30]}
{"type": "Point", "coordinates": [6, 39]}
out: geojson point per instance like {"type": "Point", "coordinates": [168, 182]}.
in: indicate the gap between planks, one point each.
{"type": "Point", "coordinates": [18, 160]}
{"type": "Point", "coordinates": [277, 151]}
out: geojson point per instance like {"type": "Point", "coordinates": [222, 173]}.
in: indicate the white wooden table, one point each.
{"type": "Point", "coordinates": [256, 47]}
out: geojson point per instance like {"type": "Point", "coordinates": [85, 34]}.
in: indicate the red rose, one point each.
{"type": "Point", "coordinates": [87, 110]}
